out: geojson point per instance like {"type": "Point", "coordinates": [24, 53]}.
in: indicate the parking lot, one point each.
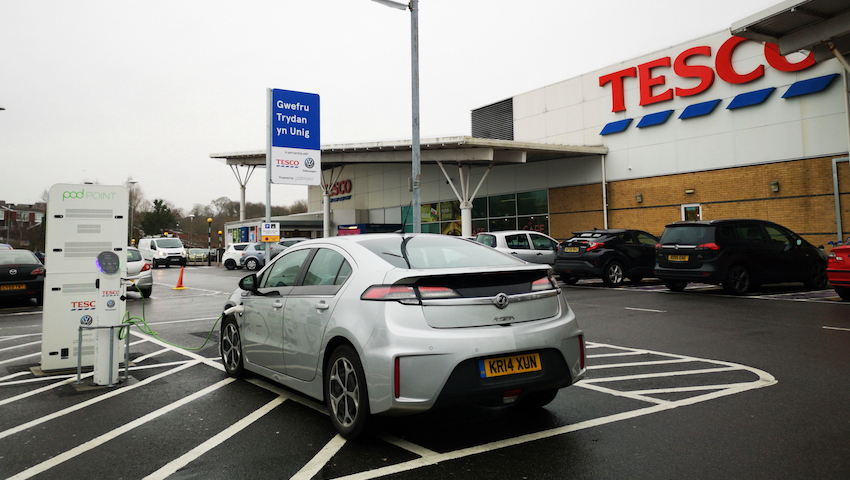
{"type": "Point", "coordinates": [696, 384]}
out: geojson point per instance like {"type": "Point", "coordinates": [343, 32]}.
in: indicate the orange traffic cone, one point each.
{"type": "Point", "coordinates": [180, 281]}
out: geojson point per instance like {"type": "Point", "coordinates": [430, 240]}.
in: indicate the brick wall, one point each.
{"type": "Point", "coordinates": [804, 202]}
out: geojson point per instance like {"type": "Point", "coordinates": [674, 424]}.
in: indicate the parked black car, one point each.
{"type": "Point", "coordinates": [740, 254]}
{"type": "Point", "coordinates": [612, 254]}
{"type": "Point", "coordinates": [21, 275]}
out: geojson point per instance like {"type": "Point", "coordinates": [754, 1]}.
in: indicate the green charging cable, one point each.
{"type": "Point", "coordinates": [143, 326]}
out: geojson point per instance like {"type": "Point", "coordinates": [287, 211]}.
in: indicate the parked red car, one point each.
{"type": "Point", "coordinates": [838, 270]}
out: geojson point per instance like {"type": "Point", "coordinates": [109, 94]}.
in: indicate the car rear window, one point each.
{"type": "Point", "coordinates": [17, 257]}
{"type": "Point", "coordinates": [240, 247]}
{"type": "Point", "coordinates": [436, 251]}
{"type": "Point", "coordinates": [134, 256]}
{"type": "Point", "coordinates": [687, 235]}
{"type": "Point", "coordinates": [488, 240]}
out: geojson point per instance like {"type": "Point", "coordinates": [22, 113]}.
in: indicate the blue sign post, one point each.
{"type": "Point", "coordinates": [295, 155]}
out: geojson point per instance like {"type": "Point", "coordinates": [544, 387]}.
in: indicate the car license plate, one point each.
{"type": "Point", "coordinates": [496, 367]}
{"type": "Point", "coordinates": [13, 287]}
{"type": "Point", "coordinates": [677, 258]}
{"type": "Point", "coordinates": [571, 249]}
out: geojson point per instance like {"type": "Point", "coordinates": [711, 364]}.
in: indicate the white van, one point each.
{"type": "Point", "coordinates": [163, 251]}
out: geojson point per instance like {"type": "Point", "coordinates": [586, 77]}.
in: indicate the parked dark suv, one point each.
{"type": "Point", "coordinates": [739, 254]}
{"type": "Point", "coordinates": [612, 255]}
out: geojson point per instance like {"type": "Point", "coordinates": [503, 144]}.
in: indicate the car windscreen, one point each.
{"type": "Point", "coordinates": [436, 251]}
{"type": "Point", "coordinates": [687, 235]}
{"type": "Point", "coordinates": [17, 257]}
{"type": "Point", "coordinates": [169, 243]}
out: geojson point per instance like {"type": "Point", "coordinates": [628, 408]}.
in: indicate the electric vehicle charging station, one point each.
{"type": "Point", "coordinates": [83, 221]}
{"type": "Point", "coordinates": [110, 297]}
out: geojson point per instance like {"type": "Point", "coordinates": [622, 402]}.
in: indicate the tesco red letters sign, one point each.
{"type": "Point", "coordinates": [651, 82]}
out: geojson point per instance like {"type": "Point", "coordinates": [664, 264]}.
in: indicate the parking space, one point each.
{"type": "Point", "coordinates": [180, 415]}
{"type": "Point", "coordinates": [789, 291]}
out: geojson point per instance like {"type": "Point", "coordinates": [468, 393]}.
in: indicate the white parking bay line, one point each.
{"type": "Point", "coordinates": [838, 328]}
{"type": "Point", "coordinates": [178, 463]}
{"type": "Point", "coordinates": [428, 457]}
{"type": "Point", "coordinates": [320, 459]}
{"type": "Point", "coordinates": [98, 441]}
{"type": "Point", "coordinates": [645, 310]}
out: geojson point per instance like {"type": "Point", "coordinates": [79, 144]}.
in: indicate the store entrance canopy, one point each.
{"type": "Point", "coordinates": [462, 151]}
{"type": "Point", "coordinates": [449, 149]}
{"type": "Point", "coordinates": [820, 26]}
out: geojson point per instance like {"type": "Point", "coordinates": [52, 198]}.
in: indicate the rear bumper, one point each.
{"type": "Point", "coordinates": [838, 278]}
{"type": "Point", "coordinates": [707, 273]}
{"type": "Point", "coordinates": [576, 268]}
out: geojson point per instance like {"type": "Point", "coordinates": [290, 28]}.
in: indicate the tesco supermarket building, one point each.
{"type": "Point", "coordinates": [717, 127]}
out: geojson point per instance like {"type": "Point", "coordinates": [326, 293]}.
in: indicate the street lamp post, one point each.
{"type": "Point", "coordinates": [191, 227]}
{"type": "Point", "coordinates": [209, 239]}
{"type": "Point", "coordinates": [414, 64]}
{"type": "Point", "coordinates": [132, 209]}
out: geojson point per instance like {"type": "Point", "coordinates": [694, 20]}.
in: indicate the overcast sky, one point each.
{"type": "Point", "coordinates": [101, 91]}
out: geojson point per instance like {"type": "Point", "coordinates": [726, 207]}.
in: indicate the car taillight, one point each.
{"type": "Point", "coordinates": [146, 267]}
{"type": "Point", "coordinates": [594, 246]}
{"type": "Point", "coordinates": [390, 293]}
{"type": "Point", "coordinates": [437, 292]}
{"type": "Point", "coordinates": [545, 283]}
{"type": "Point", "coordinates": [397, 378]}
{"type": "Point", "coordinates": [835, 259]}
{"type": "Point", "coordinates": [658, 246]}
{"type": "Point", "coordinates": [708, 246]}
{"type": "Point", "coordinates": [406, 294]}
{"type": "Point", "coordinates": [581, 351]}
{"type": "Point", "coordinates": [39, 271]}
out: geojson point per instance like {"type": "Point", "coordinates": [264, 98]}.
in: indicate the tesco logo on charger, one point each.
{"type": "Point", "coordinates": [288, 163]}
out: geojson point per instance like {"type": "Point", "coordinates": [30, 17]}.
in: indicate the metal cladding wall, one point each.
{"type": "Point", "coordinates": [712, 123]}
{"type": "Point", "coordinates": [727, 124]}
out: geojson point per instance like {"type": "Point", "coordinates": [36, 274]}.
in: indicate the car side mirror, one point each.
{"type": "Point", "coordinates": [249, 283]}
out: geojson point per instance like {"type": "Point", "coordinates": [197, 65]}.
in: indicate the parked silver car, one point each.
{"type": "Point", "coordinates": [139, 273]}
{"type": "Point", "coordinates": [398, 324]}
{"type": "Point", "coordinates": [530, 246]}
{"type": "Point", "coordinates": [254, 255]}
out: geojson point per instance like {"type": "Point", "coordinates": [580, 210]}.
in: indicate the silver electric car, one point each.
{"type": "Point", "coordinates": [397, 324]}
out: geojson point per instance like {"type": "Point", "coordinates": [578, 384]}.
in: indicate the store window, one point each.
{"type": "Point", "coordinates": [529, 203]}
{"type": "Point", "coordinates": [535, 223]}
{"type": "Point", "coordinates": [513, 211]}
{"type": "Point", "coordinates": [502, 205]}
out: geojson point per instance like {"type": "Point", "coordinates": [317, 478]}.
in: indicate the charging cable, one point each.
{"type": "Point", "coordinates": [142, 325]}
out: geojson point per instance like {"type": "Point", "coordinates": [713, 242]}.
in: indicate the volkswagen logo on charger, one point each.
{"type": "Point", "coordinates": [86, 320]}
{"type": "Point", "coordinates": [501, 301]}
{"type": "Point", "coordinates": [309, 163]}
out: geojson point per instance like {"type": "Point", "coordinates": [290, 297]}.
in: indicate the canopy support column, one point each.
{"type": "Point", "coordinates": [242, 184]}
{"type": "Point", "coordinates": [326, 200]}
{"type": "Point", "coordinates": [464, 197]}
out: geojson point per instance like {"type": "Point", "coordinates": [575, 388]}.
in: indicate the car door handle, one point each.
{"type": "Point", "coordinates": [322, 306]}
{"type": "Point", "coordinates": [277, 304]}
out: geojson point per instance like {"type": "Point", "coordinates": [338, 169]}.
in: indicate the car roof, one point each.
{"type": "Point", "coordinates": [718, 221]}
{"type": "Point", "coordinates": [512, 232]}
{"type": "Point", "coordinates": [606, 230]}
